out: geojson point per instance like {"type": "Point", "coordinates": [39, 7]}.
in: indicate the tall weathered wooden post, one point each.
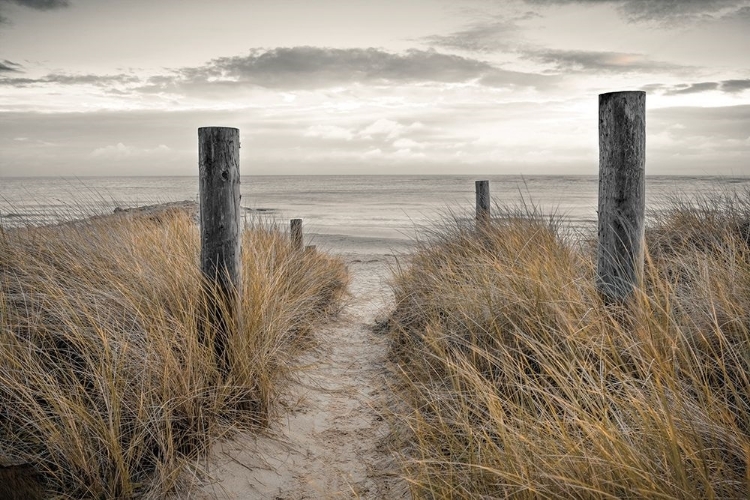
{"type": "Point", "coordinates": [622, 193]}
{"type": "Point", "coordinates": [219, 173]}
{"type": "Point", "coordinates": [483, 203]}
{"type": "Point", "coordinates": [295, 234]}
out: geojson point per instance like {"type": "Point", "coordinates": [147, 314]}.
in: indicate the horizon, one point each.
{"type": "Point", "coordinates": [417, 87]}
{"type": "Point", "coordinates": [306, 174]}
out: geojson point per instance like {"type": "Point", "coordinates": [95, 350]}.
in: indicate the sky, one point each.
{"type": "Point", "coordinates": [107, 87]}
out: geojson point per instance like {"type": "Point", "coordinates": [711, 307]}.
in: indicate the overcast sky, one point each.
{"type": "Point", "coordinates": [107, 87]}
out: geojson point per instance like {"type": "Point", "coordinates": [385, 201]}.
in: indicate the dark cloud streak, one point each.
{"type": "Point", "coordinates": [9, 66]}
{"type": "Point", "coordinates": [726, 86]}
{"type": "Point", "coordinates": [40, 4]}
{"type": "Point", "coordinates": [65, 79]}
{"type": "Point", "coordinates": [735, 86]}
{"type": "Point", "coordinates": [658, 10]}
{"type": "Point", "coordinates": [694, 88]}
{"type": "Point", "coordinates": [33, 4]}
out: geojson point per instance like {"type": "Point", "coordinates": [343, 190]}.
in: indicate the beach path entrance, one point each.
{"type": "Point", "coordinates": [327, 442]}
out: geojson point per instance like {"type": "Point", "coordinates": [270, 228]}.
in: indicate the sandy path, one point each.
{"type": "Point", "coordinates": [327, 445]}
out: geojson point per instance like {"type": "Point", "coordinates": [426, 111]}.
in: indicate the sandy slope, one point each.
{"type": "Point", "coordinates": [327, 445]}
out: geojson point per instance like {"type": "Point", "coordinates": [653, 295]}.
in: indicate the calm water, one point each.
{"type": "Point", "coordinates": [338, 211]}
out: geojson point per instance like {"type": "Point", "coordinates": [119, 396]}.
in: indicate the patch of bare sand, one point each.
{"type": "Point", "coordinates": [327, 444]}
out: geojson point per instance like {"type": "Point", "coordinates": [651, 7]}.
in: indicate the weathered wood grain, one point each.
{"type": "Point", "coordinates": [622, 193]}
{"type": "Point", "coordinates": [219, 180]}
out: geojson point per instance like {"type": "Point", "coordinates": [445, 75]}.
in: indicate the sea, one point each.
{"type": "Point", "coordinates": [345, 213]}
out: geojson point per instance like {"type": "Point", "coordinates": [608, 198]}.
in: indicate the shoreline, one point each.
{"type": "Point", "coordinates": [345, 245]}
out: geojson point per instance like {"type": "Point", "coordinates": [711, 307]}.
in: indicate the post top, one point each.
{"type": "Point", "coordinates": [624, 92]}
{"type": "Point", "coordinates": [220, 128]}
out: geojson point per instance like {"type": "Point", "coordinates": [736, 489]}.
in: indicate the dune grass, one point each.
{"type": "Point", "coordinates": [515, 380]}
{"type": "Point", "coordinates": [106, 390]}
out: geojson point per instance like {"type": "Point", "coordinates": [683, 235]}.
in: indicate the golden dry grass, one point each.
{"type": "Point", "coordinates": [516, 380]}
{"type": "Point", "coordinates": [105, 387]}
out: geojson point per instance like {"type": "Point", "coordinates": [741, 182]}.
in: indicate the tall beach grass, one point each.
{"type": "Point", "coordinates": [514, 379]}
{"type": "Point", "coordinates": [106, 390]}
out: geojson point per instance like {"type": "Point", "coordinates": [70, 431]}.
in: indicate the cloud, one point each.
{"type": "Point", "coordinates": [693, 88]}
{"type": "Point", "coordinates": [700, 140]}
{"type": "Point", "coordinates": [68, 79]}
{"type": "Point", "coordinates": [120, 151]}
{"type": "Point", "coordinates": [659, 10]}
{"type": "Point", "coordinates": [301, 68]}
{"type": "Point", "coordinates": [88, 143]}
{"type": "Point", "coordinates": [502, 78]}
{"type": "Point", "coordinates": [33, 4]}
{"type": "Point", "coordinates": [453, 136]}
{"type": "Point", "coordinates": [487, 36]}
{"type": "Point", "coordinates": [40, 4]}
{"type": "Point", "coordinates": [390, 129]}
{"type": "Point", "coordinates": [726, 86]}
{"type": "Point", "coordinates": [610, 62]}
{"type": "Point", "coordinates": [9, 66]}
{"type": "Point", "coordinates": [478, 37]}
{"type": "Point", "coordinates": [317, 66]}
{"type": "Point", "coordinates": [722, 122]}
{"type": "Point", "coordinates": [329, 132]}
{"type": "Point", "coordinates": [305, 67]}
{"type": "Point", "coordinates": [408, 144]}
{"type": "Point", "coordinates": [735, 86]}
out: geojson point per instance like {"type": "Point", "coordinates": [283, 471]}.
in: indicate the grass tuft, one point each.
{"type": "Point", "coordinates": [515, 379]}
{"type": "Point", "coordinates": [106, 390]}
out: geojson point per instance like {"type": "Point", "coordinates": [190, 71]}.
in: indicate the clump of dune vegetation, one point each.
{"type": "Point", "coordinates": [106, 387]}
{"type": "Point", "coordinates": [515, 379]}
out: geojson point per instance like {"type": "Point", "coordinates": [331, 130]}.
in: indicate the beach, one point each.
{"type": "Point", "coordinates": [327, 438]}
{"type": "Point", "coordinates": [331, 424]}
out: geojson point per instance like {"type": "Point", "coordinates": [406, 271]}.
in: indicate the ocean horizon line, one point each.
{"type": "Point", "coordinates": [445, 176]}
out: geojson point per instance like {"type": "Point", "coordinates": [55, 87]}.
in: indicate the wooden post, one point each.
{"type": "Point", "coordinates": [296, 234]}
{"type": "Point", "coordinates": [219, 168]}
{"type": "Point", "coordinates": [483, 203]}
{"type": "Point", "coordinates": [622, 193]}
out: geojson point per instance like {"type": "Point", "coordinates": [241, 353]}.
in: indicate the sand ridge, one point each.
{"type": "Point", "coordinates": [328, 441]}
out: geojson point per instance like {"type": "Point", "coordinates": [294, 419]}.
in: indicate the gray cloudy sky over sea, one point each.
{"type": "Point", "coordinates": [106, 87]}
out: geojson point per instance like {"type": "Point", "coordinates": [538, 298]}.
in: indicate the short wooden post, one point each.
{"type": "Point", "coordinates": [219, 168]}
{"type": "Point", "coordinates": [622, 193]}
{"type": "Point", "coordinates": [483, 203]}
{"type": "Point", "coordinates": [296, 234]}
